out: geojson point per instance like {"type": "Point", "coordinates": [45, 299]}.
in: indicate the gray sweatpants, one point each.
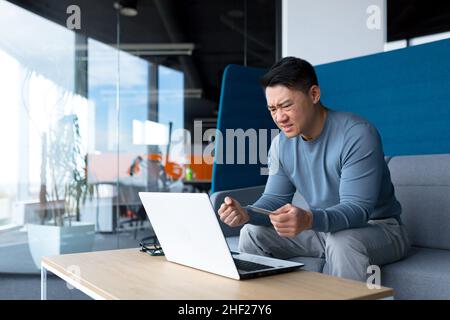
{"type": "Point", "coordinates": [347, 253]}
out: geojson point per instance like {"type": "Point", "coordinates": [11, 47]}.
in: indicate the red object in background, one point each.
{"type": "Point", "coordinates": [135, 166]}
{"type": "Point", "coordinates": [131, 213]}
{"type": "Point", "coordinates": [201, 170]}
{"type": "Point", "coordinates": [173, 170]}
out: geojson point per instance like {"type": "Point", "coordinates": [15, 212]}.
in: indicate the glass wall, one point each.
{"type": "Point", "coordinates": [43, 135]}
{"type": "Point", "coordinates": [96, 105]}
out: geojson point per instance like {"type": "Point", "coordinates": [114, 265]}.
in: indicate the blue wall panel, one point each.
{"type": "Point", "coordinates": [404, 93]}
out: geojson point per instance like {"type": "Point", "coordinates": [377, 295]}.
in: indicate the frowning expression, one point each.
{"type": "Point", "coordinates": [292, 110]}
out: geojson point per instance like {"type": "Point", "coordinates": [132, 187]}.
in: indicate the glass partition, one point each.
{"type": "Point", "coordinates": [99, 104]}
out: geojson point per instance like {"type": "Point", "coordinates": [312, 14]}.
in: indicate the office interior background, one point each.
{"type": "Point", "coordinates": [94, 109]}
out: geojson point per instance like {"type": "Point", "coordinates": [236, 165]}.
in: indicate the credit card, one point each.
{"type": "Point", "coordinates": [259, 210]}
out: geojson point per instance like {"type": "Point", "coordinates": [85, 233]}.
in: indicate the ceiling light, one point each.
{"type": "Point", "coordinates": [158, 49]}
{"type": "Point", "coordinates": [127, 7]}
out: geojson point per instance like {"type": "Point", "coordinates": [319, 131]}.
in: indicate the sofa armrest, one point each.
{"type": "Point", "coordinates": [244, 196]}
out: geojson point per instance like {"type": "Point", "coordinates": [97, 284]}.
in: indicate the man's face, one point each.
{"type": "Point", "coordinates": [292, 110]}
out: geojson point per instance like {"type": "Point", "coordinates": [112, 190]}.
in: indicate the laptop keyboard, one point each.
{"type": "Point", "coordinates": [249, 266]}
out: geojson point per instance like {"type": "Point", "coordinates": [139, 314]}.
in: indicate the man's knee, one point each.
{"type": "Point", "coordinates": [346, 256]}
{"type": "Point", "coordinates": [344, 244]}
{"type": "Point", "coordinates": [252, 238]}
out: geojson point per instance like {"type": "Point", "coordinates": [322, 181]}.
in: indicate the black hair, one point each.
{"type": "Point", "coordinates": [291, 72]}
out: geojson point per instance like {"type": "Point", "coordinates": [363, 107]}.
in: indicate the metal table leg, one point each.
{"type": "Point", "coordinates": [43, 283]}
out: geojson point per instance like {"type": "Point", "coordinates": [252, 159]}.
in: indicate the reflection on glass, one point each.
{"type": "Point", "coordinates": [44, 129]}
{"type": "Point", "coordinates": [151, 109]}
{"type": "Point", "coordinates": [86, 123]}
{"type": "Point", "coordinates": [171, 113]}
{"type": "Point", "coordinates": [37, 89]}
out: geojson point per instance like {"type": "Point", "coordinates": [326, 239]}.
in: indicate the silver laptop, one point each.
{"type": "Point", "coordinates": [189, 233]}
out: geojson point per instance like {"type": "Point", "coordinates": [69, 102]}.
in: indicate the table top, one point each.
{"type": "Point", "coordinates": [131, 274]}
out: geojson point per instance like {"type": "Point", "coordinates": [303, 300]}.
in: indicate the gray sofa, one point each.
{"type": "Point", "coordinates": [422, 185]}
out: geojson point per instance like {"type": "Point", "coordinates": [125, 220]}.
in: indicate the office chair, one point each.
{"type": "Point", "coordinates": [157, 181]}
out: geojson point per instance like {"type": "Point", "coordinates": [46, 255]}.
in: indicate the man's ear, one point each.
{"type": "Point", "coordinates": [314, 93]}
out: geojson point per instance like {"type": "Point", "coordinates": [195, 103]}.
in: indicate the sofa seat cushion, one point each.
{"type": "Point", "coordinates": [422, 186]}
{"type": "Point", "coordinates": [424, 274]}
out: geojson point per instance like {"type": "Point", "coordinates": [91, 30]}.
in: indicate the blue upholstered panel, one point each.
{"type": "Point", "coordinates": [242, 105]}
{"type": "Point", "coordinates": [422, 275]}
{"type": "Point", "coordinates": [404, 93]}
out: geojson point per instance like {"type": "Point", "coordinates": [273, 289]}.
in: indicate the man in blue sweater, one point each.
{"type": "Point", "coordinates": [336, 161]}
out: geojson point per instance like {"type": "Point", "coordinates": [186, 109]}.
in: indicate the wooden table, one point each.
{"type": "Point", "coordinates": [131, 274]}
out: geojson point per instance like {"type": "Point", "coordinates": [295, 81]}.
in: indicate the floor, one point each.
{"type": "Point", "coordinates": [20, 278]}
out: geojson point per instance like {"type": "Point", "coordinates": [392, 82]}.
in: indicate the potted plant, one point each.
{"type": "Point", "coordinates": [64, 189]}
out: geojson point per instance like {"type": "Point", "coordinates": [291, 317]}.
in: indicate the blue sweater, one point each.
{"type": "Point", "coordinates": [342, 175]}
